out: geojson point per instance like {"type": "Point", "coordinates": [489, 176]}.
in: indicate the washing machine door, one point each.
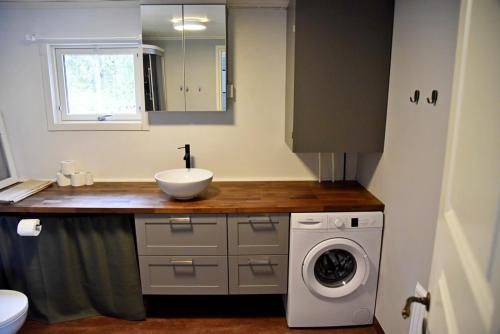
{"type": "Point", "coordinates": [335, 268]}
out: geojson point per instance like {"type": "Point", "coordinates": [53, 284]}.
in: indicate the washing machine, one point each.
{"type": "Point", "coordinates": [333, 268]}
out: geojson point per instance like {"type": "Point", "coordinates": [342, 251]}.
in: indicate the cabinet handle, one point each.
{"type": "Point", "coordinates": [181, 262]}
{"type": "Point", "coordinates": [180, 220]}
{"type": "Point", "coordinates": [254, 262]}
{"type": "Point", "coordinates": [257, 220]}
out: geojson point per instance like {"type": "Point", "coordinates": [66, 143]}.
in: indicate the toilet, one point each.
{"type": "Point", "coordinates": [13, 311]}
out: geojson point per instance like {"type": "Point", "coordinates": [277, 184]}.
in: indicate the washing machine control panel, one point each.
{"type": "Point", "coordinates": [354, 220]}
{"type": "Point", "coordinates": [309, 221]}
{"type": "Point", "coordinates": [336, 220]}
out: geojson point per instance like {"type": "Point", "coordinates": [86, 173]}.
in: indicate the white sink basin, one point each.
{"type": "Point", "coordinates": [184, 183]}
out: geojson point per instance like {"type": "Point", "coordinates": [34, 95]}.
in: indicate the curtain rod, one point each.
{"type": "Point", "coordinates": [35, 38]}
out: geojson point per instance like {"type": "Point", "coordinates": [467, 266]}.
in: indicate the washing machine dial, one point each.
{"type": "Point", "coordinates": [339, 223]}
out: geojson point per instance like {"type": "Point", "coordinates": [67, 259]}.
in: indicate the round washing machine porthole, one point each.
{"type": "Point", "coordinates": [335, 268]}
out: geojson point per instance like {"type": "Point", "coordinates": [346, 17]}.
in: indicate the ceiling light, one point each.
{"type": "Point", "coordinates": [191, 26]}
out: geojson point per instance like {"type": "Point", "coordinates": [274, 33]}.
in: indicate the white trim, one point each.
{"type": "Point", "coordinates": [218, 76]}
{"type": "Point", "coordinates": [100, 126]}
{"type": "Point", "coordinates": [449, 312]}
{"type": "Point", "coordinates": [480, 288]}
{"type": "Point", "coordinates": [457, 100]}
{"type": "Point", "coordinates": [132, 40]}
{"type": "Point", "coordinates": [63, 103]}
{"type": "Point", "coordinates": [171, 38]}
{"type": "Point", "coordinates": [125, 3]}
{"type": "Point", "coordinates": [229, 3]}
{"type": "Point", "coordinates": [258, 3]}
{"type": "Point", "coordinates": [66, 4]}
{"type": "Point", "coordinates": [52, 93]}
{"type": "Point", "coordinates": [182, 2]}
{"type": "Point", "coordinates": [8, 156]}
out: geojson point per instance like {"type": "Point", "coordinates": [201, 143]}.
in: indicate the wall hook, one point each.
{"type": "Point", "coordinates": [416, 97]}
{"type": "Point", "coordinates": [434, 97]}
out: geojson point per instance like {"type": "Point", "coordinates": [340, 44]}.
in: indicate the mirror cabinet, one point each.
{"type": "Point", "coordinates": [184, 57]}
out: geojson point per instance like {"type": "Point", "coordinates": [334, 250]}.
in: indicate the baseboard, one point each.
{"type": "Point", "coordinates": [377, 326]}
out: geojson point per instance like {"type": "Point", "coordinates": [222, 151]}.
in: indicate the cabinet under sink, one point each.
{"type": "Point", "coordinates": [213, 254]}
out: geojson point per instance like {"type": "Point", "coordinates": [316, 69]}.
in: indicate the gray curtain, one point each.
{"type": "Point", "coordinates": [79, 266]}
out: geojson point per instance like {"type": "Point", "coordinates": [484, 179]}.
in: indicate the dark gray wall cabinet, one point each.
{"type": "Point", "coordinates": [338, 62]}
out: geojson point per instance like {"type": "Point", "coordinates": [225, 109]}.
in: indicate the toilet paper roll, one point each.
{"type": "Point", "coordinates": [78, 179]}
{"type": "Point", "coordinates": [29, 227]}
{"type": "Point", "coordinates": [68, 167]}
{"type": "Point", "coordinates": [63, 180]}
{"type": "Point", "coordinates": [89, 179]}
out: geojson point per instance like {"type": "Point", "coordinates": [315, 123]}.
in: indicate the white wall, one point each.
{"type": "Point", "coordinates": [407, 177]}
{"type": "Point", "coordinates": [245, 143]}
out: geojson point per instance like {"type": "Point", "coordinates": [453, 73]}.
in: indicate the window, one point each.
{"type": "Point", "coordinates": [95, 87]}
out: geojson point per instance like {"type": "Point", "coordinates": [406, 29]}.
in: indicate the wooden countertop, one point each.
{"type": "Point", "coordinates": [220, 197]}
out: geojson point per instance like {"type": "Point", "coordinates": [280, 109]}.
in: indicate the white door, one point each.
{"type": "Point", "coordinates": [465, 275]}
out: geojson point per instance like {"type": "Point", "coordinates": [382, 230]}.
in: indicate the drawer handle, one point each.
{"type": "Point", "coordinates": [253, 262]}
{"type": "Point", "coordinates": [182, 262]}
{"type": "Point", "coordinates": [180, 220]}
{"type": "Point", "coordinates": [263, 226]}
{"type": "Point", "coordinates": [259, 220]}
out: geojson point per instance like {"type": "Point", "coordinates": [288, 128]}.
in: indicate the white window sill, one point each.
{"type": "Point", "coordinates": [100, 126]}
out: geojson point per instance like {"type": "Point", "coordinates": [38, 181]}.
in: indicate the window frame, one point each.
{"type": "Point", "coordinates": [9, 160]}
{"type": "Point", "coordinates": [55, 87]}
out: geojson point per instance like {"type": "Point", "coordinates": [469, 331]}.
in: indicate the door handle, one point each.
{"type": "Point", "coordinates": [426, 301]}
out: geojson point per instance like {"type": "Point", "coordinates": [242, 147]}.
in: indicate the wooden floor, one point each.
{"type": "Point", "coordinates": [196, 314]}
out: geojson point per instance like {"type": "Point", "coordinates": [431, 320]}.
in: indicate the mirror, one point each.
{"type": "Point", "coordinates": [184, 57]}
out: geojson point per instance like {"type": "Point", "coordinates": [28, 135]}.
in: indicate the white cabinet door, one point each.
{"type": "Point", "coordinates": [465, 276]}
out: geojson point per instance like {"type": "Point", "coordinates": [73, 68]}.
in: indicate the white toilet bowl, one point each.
{"type": "Point", "coordinates": [13, 311]}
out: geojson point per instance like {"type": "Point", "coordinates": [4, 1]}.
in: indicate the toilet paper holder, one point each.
{"type": "Point", "coordinates": [29, 227]}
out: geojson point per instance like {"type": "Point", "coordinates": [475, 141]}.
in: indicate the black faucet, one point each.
{"type": "Point", "coordinates": [187, 154]}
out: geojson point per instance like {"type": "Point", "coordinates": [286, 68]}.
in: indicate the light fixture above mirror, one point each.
{"type": "Point", "coordinates": [191, 26]}
{"type": "Point", "coordinates": [192, 23]}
